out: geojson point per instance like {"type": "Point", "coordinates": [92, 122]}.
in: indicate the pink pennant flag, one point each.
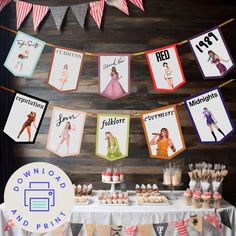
{"type": "Point", "coordinates": [181, 228]}
{"type": "Point", "coordinates": [9, 225]}
{"type": "Point", "coordinates": [3, 3]}
{"type": "Point", "coordinates": [96, 11]}
{"type": "Point", "coordinates": [138, 3]}
{"type": "Point", "coordinates": [39, 12]}
{"type": "Point", "coordinates": [22, 10]}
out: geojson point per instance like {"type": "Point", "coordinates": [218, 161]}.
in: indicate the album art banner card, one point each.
{"type": "Point", "coordinates": [66, 132]}
{"type": "Point", "coordinates": [212, 54]}
{"type": "Point", "coordinates": [210, 116]}
{"type": "Point", "coordinates": [163, 132]}
{"type": "Point", "coordinates": [112, 139]}
{"type": "Point", "coordinates": [65, 69]}
{"type": "Point", "coordinates": [165, 67]}
{"type": "Point", "coordinates": [24, 55]}
{"type": "Point", "coordinates": [25, 117]}
{"type": "Point", "coordinates": [114, 75]}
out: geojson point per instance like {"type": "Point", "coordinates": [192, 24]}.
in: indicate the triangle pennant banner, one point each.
{"type": "Point", "coordinates": [96, 11]}
{"type": "Point", "coordinates": [9, 225]}
{"type": "Point", "coordinates": [3, 3]}
{"type": "Point", "coordinates": [181, 228]}
{"type": "Point", "coordinates": [103, 230]}
{"type": "Point", "coordinates": [160, 229]}
{"type": "Point", "coordinates": [58, 14]}
{"type": "Point", "coordinates": [80, 12]}
{"type": "Point", "coordinates": [116, 230]}
{"type": "Point", "coordinates": [138, 3]}
{"type": "Point", "coordinates": [196, 223]}
{"type": "Point", "coordinates": [75, 228]}
{"type": "Point", "coordinates": [224, 216]}
{"type": "Point", "coordinates": [120, 4]}
{"type": "Point", "coordinates": [61, 231]}
{"type": "Point", "coordinates": [39, 12]}
{"type": "Point", "coordinates": [90, 229]}
{"type": "Point", "coordinates": [145, 230]}
{"type": "Point", "coordinates": [214, 220]}
{"type": "Point", "coordinates": [22, 11]}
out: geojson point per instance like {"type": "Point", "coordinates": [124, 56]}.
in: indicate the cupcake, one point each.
{"type": "Point", "coordinates": [108, 177]}
{"type": "Point", "coordinates": [149, 188]}
{"type": "Point", "coordinates": [196, 199]}
{"type": "Point", "coordinates": [116, 177]}
{"type": "Point", "coordinates": [122, 178]}
{"type": "Point", "coordinates": [104, 176]}
{"type": "Point", "coordinates": [138, 189]}
{"type": "Point", "coordinates": [188, 197]}
{"type": "Point", "coordinates": [143, 187]}
{"type": "Point", "coordinates": [155, 188]}
{"type": "Point", "coordinates": [206, 197]}
{"type": "Point", "coordinates": [79, 190]}
{"type": "Point", "coordinates": [126, 200]}
{"type": "Point", "coordinates": [120, 201]}
{"type": "Point", "coordinates": [89, 189]}
{"type": "Point", "coordinates": [216, 200]}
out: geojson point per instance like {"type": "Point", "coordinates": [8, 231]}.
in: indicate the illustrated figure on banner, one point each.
{"type": "Point", "coordinates": [113, 148]}
{"type": "Point", "coordinates": [31, 118]}
{"type": "Point", "coordinates": [163, 142]}
{"type": "Point", "coordinates": [168, 75]}
{"type": "Point", "coordinates": [114, 88]}
{"type": "Point", "coordinates": [216, 60]}
{"type": "Point", "coordinates": [63, 76]}
{"type": "Point", "coordinates": [22, 59]}
{"type": "Point", "coordinates": [211, 122]}
{"type": "Point", "coordinates": [65, 136]}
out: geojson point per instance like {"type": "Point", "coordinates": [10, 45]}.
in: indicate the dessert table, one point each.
{"type": "Point", "coordinates": [134, 214]}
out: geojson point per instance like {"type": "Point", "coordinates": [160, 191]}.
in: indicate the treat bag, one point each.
{"type": "Point", "coordinates": [205, 185]}
{"type": "Point", "coordinates": [192, 184]}
{"type": "Point", "coordinates": [215, 185]}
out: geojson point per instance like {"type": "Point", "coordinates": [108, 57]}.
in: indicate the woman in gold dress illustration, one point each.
{"type": "Point", "coordinates": [163, 142]}
{"type": "Point", "coordinates": [113, 149]}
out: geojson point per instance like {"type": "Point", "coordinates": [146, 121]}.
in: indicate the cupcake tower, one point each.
{"type": "Point", "coordinates": [115, 198]}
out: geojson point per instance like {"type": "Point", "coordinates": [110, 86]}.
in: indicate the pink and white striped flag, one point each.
{"type": "Point", "coordinates": [39, 12]}
{"type": "Point", "coordinates": [96, 11]}
{"type": "Point", "coordinates": [120, 4]}
{"type": "Point", "coordinates": [181, 228]}
{"type": "Point", "coordinates": [3, 3]}
{"type": "Point", "coordinates": [138, 3]}
{"type": "Point", "coordinates": [22, 10]}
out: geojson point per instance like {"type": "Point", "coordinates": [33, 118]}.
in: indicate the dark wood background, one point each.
{"type": "Point", "coordinates": [162, 23]}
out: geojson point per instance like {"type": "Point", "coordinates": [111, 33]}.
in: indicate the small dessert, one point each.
{"type": "Point", "coordinates": [155, 188]}
{"type": "Point", "coordinates": [89, 189]}
{"type": "Point", "coordinates": [122, 177]}
{"type": "Point", "coordinates": [104, 176]}
{"type": "Point", "coordinates": [206, 197]}
{"type": "Point", "coordinates": [196, 199]}
{"type": "Point", "coordinates": [115, 177]}
{"type": "Point", "coordinates": [108, 177]}
{"type": "Point", "coordinates": [188, 197]}
{"type": "Point", "coordinates": [143, 187]}
{"type": "Point", "coordinates": [149, 188]}
{"type": "Point", "coordinates": [138, 189]}
{"type": "Point", "coordinates": [216, 200]}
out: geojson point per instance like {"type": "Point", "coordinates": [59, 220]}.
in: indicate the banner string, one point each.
{"type": "Point", "coordinates": [132, 54]}
{"type": "Point", "coordinates": [132, 114]}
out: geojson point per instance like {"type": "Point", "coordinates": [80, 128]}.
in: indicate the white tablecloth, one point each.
{"type": "Point", "coordinates": [94, 213]}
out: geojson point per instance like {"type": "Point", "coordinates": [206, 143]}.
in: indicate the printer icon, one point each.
{"type": "Point", "coordinates": [39, 197]}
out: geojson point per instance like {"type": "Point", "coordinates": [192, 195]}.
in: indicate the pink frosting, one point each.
{"type": "Point", "coordinates": [197, 194]}
{"type": "Point", "coordinates": [217, 195]}
{"type": "Point", "coordinates": [206, 195]}
{"type": "Point", "coordinates": [188, 193]}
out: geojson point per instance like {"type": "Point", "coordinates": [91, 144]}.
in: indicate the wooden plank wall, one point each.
{"type": "Point", "coordinates": [162, 23]}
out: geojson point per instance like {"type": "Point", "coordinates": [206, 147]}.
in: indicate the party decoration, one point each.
{"type": "Point", "coordinates": [163, 132]}
{"type": "Point", "coordinates": [214, 220]}
{"type": "Point", "coordinates": [114, 75]}
{"type": "Point", "coordinates": [4, 3]}
{"type": "Point", "coordinates": [58, 14]}
{"type": "Point", "coordinates": [22, 11]}
{"type": "Point", "coordinates": [224, 216]}
{"type": "Point", "coordinates": [25, 117]}
{"type": "Point", "coordinates": [145, 230]}
{"type": "Point", "coordinates": [131, 230]}
{"type": "Point", "coordinates": [66, 131]}
{"type": "Point", "coordinates": [138, 3]}
{"type": "Point", "coordinates": [210, 116]}
{"type": "Point", "coordinates": [96, 11]}
{"type": "Point", "coordinates": [75, 228]}
{"type": "Point", "coordinates": [9, 225]}
{"type": "Point", "coordinates": [196, 223]}
{"type": "Point", "coordinates": [89, 229]}
{"type": "Point", "coordinates": [116, 230]}
{"type": "Point", "coordinates": [61, 230]}
{"type": "Point", "coordinates": [112, 138]}
{"type": "Point", "coordinates": [24, 55]}
{"type": "Point", "coordinates": [165, 67]}
{"type": "Point", "coordinates": [65, 69]}
{"type": "Point", "coordinates": [80, 12]}
{"type": "Point", "coordinates": [120, 4]}
{"type": "Point", "coordinates": [39, 12]}
{"type": "Point", "coordinates": [181, 228]}
{"type": "Point", "coordinates": [103, 230]}
{"type": "Point", "coordinates": [160, 229]}
{"type": "Point", "coordinates": [212, 54]}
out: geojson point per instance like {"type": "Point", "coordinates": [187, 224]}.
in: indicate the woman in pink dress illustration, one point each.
{"type": "Point", "coordinates": [63, 76]}
{"type": "Point", "coordinates": [114, 89]}
{"type": "Point", "coordinates": [65, 136]}
{"type": "Point", "coordinates": [215, 59]}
